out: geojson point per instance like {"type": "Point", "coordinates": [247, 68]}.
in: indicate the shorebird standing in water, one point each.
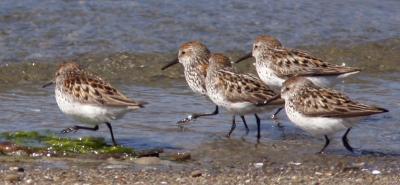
{"type": "Point", "coordinates": [89, 99]}
{"type": "Point", "coordinates": [321, 111]}
{"type": "Point", "coordinates": [240, 94]}
{"type": "Point", "coordinates": [194, 57]}
{"type": "Point", "coordinates": [275, 64]}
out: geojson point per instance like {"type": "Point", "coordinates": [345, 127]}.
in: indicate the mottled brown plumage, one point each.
{"type": "Point", "coordinates": [312, 100]}
{"type": "Point", "coordinates": [89, 99]}
{"type": "Point", "coordinates": [234, 87]}
{"type": "Point", "coordinates": [322, 111]}
{"type": "Point", "coordinates": [270, 40]}
{"type": "Point", "coordinates": [240, 94]}
{"type": "Point", "coordinates": [288, 62]}
{"type": "Point", "coordinates": [193, 56]}
{"type": "Point", "coordinates": [275, 64]}
{"type": "Point", "coordinates": [244, 88]}
{"type": "Point", "coordinates": [88, 88]}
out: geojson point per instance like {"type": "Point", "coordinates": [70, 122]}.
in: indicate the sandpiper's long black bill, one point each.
{"type": "Point", "coordinates": [175, 61]}
{"type": "Point", "coordinates": [248, 55]}
{"type": "Point", "coordinates": [48, 84]}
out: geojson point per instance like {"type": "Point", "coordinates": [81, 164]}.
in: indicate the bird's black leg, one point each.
{"type": "Point", "coordinates": [275, 119]}
{"type": "Point", "coordinates": [276, 113]}
{"type": "Point", "coordinates": [232, 127]}
{"type": "Point", "coordinates": [245, 125]}
{"type": "Point", "coordinates": [76, 128]}
{"type": "Point", "coordinates": [326, 145]}
{"type": "Point", "coordinates": [346, 141]}
{"type": "Point", "coordinates": [112, 134]}
{"type": "Point", "coordinates": [197, 115]}
{"type": "Point", "coordinates": [258, 127]}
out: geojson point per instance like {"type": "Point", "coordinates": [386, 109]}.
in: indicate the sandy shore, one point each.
{"type": "Point", "coordinates": [225, 161]}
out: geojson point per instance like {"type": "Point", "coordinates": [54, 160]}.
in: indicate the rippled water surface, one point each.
{"type": "Point", "coordinates": [52, 28]}
{"type": "Point", "coordinates": [33, 108]}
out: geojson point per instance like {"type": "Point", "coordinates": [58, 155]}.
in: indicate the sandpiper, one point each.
{"type": "Point", "coordinates": [194, 56]}
{"type": "Point", "coordinates": [322, 111]}
{"type": "Point", "coordinates": [89, 99]}
{"type": "Point", "coordinates": [240, 94]}
{"type": "Point", "coordinates": [275, 64]}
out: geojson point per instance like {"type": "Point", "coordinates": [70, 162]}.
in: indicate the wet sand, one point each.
{"type": "Point", "coordinates": [224, 161]}
{"type": "Point", "coordinates": [145, 68]}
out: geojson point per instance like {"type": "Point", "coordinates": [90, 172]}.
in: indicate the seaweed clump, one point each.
{"type": "Point", "coordinates": [35, 144]}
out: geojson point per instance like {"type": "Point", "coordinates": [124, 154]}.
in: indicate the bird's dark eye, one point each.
{"type": "Point", "coordinates": [255, 46]}
{"type": "Point", "coordinates": [285, 89]}
{"type": "Point", "coordinates": [57, 73]}
{"type": "Point", "coordinates": [182, 53]}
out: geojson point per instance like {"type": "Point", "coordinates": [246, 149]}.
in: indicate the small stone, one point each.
{"type": "Point", "coordinates": [20, 153]}
{"type": "Point", "coordinates": [196, 173]}
{"type": "Point", "coordinates": [376, 172]}
{"type": "Point", "coordinates": [17, 169]}
{"type": "Point", "coordinates": [12, 178]}
{"type": "Point", "coordinates": [361, 164]}
{"type": "Point", "coordinates": [28, 181]}
{"type": "Point", "coordinates": [176, 156]}
{"type": "Point", "coordinates": [149, 153]}
{"type": "Point", "coordinates": [258, 165]}
{"type": "Point", "coordinates": [148, 161]}
{"type": "Point", "coordinates": [295, 163]}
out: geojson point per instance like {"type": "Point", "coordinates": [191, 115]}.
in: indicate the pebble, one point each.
{"type": "Point", "coordinates": [176, 156]}
{"type": "Point", "coordinates": [16, 168]}
{"type": "Point", "coordinates": [12, 177]}
{"type": "Point", "coordinates": [149, 153]}
{"type": "Point", "coordinates": [196, 173]}
{"type": "Point", "coordinates": [28, 181]}
{"type": "Point", "coordinates": [148, 161]}
{"type": "Point", "coordinates": [258, 165]}
{"type": "Point", "coordinates": [295, 163]}
{"type": "Point", "coordinates": [376, 172]}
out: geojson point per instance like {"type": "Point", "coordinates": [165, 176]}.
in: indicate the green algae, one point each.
{"type": "Point", "coordinates": [53, 144]}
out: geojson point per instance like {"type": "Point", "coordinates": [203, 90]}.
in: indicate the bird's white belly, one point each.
{"type": "Point", "coordinates": [87, 113]}
{"type": "Point", "coordinates": [317, 126]}
{"type": "Point", "coordinates": [217, 98]}
{"type": "Point", "coordinates": [238, 108]}
{"type": "Point", "coordinates": [269, 77]}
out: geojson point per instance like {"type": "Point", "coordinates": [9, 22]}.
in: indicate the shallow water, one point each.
{"type": "Point", "coordinates": [35, 29]}
{"type": "Point", "coordinates": [30, 107]}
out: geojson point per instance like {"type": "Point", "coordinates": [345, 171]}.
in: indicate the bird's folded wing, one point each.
{"type": "Point", "coordinates": [329, 103]}
{"type": "Point", "coordinates": [91, 89]}
{"type": "Point", "coordinates": [244, 88]}
{"type": "Point", "coordinates": [289, 62]}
